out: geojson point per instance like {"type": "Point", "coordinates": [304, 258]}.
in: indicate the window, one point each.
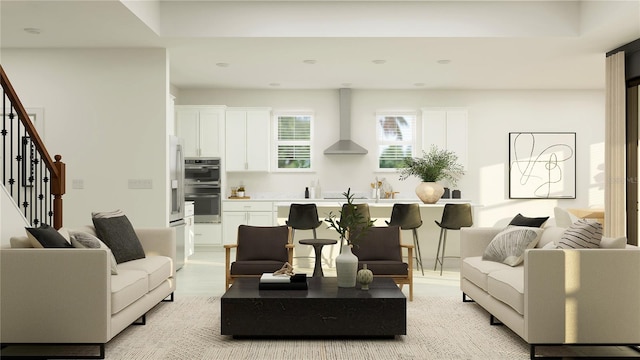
{"type": "Point", "coordinates": [396, 138]}
{"type": "Point", "coordinates": [293, 141]}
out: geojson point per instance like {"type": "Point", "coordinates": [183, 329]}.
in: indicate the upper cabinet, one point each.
{"type": "Point", "coordinates": [199, 127]}
{"type": "Point", "coordinates": [447, 129]}
{"type": "Point", "coordinates": [247, 139]}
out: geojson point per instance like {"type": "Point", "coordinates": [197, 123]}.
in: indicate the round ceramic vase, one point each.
{"type": "Point", "coordinates": [429, 192]}
{"type": "Point", "coordinates": [364, 277]}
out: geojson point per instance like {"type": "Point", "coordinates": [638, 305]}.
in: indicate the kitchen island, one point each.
{"type": "Point", "coordinates": [265, 212]}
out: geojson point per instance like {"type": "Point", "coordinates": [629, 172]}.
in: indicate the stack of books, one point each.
{"type": "Point", "coordinates": [268, 281]}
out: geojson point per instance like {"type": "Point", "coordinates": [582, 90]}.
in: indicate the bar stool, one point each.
{"type": "Point", "coordinates": [359, 208]}
{"type": "Point", "coordinates": [407, 216]}
{"type": "Point", "coordinates": [303, 217]}
{"type": "Point", "coordinates": [454, 217]}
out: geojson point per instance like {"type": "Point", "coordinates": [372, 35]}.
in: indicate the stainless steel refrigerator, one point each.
{"type": "Point", "coordinates": [176, 216]}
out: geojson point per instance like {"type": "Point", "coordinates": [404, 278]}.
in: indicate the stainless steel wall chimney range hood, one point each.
{"type": "Point", "coordinates": [345, 146]}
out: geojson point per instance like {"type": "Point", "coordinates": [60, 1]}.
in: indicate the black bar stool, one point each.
{"type": "Point", "coordinates": [454, 217]}
{"type": "Point", "coordinates": [407, 216]}
{"type": "Point", "coordinates": [303, 217]}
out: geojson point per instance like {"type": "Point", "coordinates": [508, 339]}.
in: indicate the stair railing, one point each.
{"type": "Point", "coordinates": [33, 179]}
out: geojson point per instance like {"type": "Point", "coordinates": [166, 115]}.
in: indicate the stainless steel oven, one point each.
{"type": "Point", "coordinates": [202, 186]}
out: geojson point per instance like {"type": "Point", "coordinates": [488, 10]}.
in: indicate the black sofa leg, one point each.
{"type": "Point", "coordinates": [141, 321]}
{"type": "Point", "coordinates": [466, 299]}
{"type": "Point", "coordinates": [494, 320]}
{"type": "Point", "coordinates": [168, 300]}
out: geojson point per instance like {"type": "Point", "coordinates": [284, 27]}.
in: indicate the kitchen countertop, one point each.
{"type": "Point", "coordinates": [337, 202]}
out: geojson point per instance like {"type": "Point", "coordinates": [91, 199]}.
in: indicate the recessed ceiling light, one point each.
{"type": "Point", "coordinates": [379, 61]}
{"type": "Point", "coordinates": [444, 61]}
{"type": "Point", "coordinates": [222, 64]}
{"type": "Point", "coordinates": [309, 61]}
{"type": "Point", "coordinates": [32, 30]}
{"type": "Point", "coordinates": [274, 84]}
{"type": "Point", "coordinates": [418, 84]}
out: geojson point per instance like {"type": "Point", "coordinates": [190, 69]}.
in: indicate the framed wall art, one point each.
{"type": "Point", "coordinates": [542, 165]}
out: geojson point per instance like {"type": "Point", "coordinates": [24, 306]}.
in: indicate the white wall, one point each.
{"type": "Point", "coordinates": [105, 113]}
{"type": "Point", "coordinates": [492, 115]}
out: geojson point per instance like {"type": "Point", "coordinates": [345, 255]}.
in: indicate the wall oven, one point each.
{"type": "Point", "coordinates": [202, 186]}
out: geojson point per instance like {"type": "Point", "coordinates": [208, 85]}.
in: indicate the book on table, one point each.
{"type": "Point", "coordinates": [270, 278]}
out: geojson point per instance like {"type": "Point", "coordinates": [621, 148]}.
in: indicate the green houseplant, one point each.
{"type": "Point", "coordinates": [351, 225]}
{"type": "Point", "coordinates": [433, 166]}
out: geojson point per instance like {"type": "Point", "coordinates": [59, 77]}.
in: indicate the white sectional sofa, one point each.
{"type": "Point", "coordinates": [556, 296]}
{"type": "Point", "coordinates": [69, 295]}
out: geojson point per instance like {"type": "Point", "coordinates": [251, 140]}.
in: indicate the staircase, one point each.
{"type": "Point", "coordinates": [32, 179]}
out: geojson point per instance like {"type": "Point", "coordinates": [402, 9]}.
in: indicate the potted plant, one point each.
{"type": "Point", "coordinates": [433, 166]}
{"type": "Point", "coordinates": [351, 225]}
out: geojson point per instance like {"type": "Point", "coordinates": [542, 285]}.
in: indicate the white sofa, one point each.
{"type": "Point", "coordinates": [556, 296]}
{"type": "Point", "coordinates": [69, 296]}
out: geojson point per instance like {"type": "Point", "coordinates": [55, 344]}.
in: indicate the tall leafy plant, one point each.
{"type": "Point", "coordinates": [351, 224]}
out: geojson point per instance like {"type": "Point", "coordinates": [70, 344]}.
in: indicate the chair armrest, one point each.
{"type": "Point", "coordinates": [407, 246]}
{"type": "Point", "coordinates": [473, 241]}
{"type": "Point", "coordinates": [582, 296]}
{"type": "Point", "coordinates": [55, 296]}
{"type": "Point", "coordinates": [230, 246]}
{"type": "Point", "coordinates": [290, 246]}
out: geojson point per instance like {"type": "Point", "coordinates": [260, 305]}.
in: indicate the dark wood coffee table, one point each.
{"type": "Point", "coordinates": [324, 310]}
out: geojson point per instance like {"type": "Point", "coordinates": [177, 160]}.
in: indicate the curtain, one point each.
{"type": "Point", "coordinates": [615, 145]}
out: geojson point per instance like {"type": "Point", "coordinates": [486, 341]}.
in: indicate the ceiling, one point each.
{"type": "Point", "coordinates": [333, 44]}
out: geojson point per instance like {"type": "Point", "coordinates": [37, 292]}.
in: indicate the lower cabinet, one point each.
{"type": "Point", "coordinates": [208, 234]}
{"type": "Point", "coordinates": [243, 212]}
{"type": "Point", "coordinates": [189, 236]}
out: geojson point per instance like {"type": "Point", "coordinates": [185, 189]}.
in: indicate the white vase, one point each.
{"type": "Point", "coordinates": [346, 267]}
{"type": "Point", "coordinates": [429, 192]}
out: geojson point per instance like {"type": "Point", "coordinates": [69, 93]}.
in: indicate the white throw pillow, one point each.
{"type": "Point", "coordinates": [551, 234]}
{"type": "Point", "coordinates": [508, 246]}
{"type": "Point", "coordinates": [582, 234]}
{"type": "Point", "coordinates": [563, 218]}
{"type": "Point", "coordinates": [613, 243]}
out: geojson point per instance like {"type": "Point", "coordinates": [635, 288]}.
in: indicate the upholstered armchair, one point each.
{"type": "Point", "coordinates": [259, 249]}
{"type": "Point", "coordinates": [382, 250]}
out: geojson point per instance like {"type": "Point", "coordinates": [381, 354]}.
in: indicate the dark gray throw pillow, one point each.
{"type": "Point", "coordinates": [118, 234]}
{"type": "Point", "coordinates": [47, 237]}
{"type": "Point", "coordinates": [520, 220]}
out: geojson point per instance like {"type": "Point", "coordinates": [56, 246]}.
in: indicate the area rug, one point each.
{"type": "Point", "coordinates": [437, 328]}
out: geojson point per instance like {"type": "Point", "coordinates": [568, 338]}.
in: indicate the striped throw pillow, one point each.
{"type": "Point", "coordinates": [582, 234]}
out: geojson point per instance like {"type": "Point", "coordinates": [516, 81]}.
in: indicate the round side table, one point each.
{"type": "Point", "coordinates": [317, 246]}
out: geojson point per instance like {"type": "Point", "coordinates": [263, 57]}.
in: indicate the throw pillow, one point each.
{"type": "Point", "coordinates": [20, 242]}
{"type": "Point", "coordinates": [116, 231]}
{"type": "Point", "coordinates": [520, 220]}
{"type": "Point", "coordinates": [508, 246]}
{"type": "Point", "coordinates": [80, 240]}
{"type": "Point", "coordinates": [582, 234]}
{"type": "Point", "coordinates": [563, 217]}
{"type": "Point", "coordinates": [613, 243]}
{"type": "Point", "coordinates": [46, 236]}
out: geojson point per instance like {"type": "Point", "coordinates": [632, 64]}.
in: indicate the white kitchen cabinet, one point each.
{"type": "Point", "coordinates": [243, 212]}
{"type": "Point", "coordinates": [247, 139]}
{"type": "Point", "coordinates": [199, 127]}
{"type": "Point", "coordinates": [208, 234]}
{"type": "Point", "coordinates": [189, 229]}
{"type": "Point", "coordinates": [447, 129]}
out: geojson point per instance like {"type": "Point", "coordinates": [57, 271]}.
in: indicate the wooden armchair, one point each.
{"type": "Point", "coordinates": [259, 249]}
{"type": "Point", "coordinates": [381, 249]}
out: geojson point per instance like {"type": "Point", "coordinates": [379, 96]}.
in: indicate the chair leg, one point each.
{"type": "Point", "coordinates": [418, 255]}
{"type": "Point", "coordinates": [442, 242]}
{"type": "Point", "coordinates": [435, 267]}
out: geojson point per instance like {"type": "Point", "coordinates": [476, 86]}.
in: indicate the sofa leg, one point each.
{"type": "Point", "coordinates": [141, 321]}
{"type": "Point", "coordinates": [494, 321]}
{"type": "Point", "coordinates": [466, 299]}
{"type": "Point", "coordinates": [168, 300]}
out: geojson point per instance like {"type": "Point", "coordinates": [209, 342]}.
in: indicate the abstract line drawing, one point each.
{"type": "Point", "coordinates": [542, 165]}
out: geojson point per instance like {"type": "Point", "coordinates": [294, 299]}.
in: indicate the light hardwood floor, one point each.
{"type": "Point", "coordinates": [203, 275]}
